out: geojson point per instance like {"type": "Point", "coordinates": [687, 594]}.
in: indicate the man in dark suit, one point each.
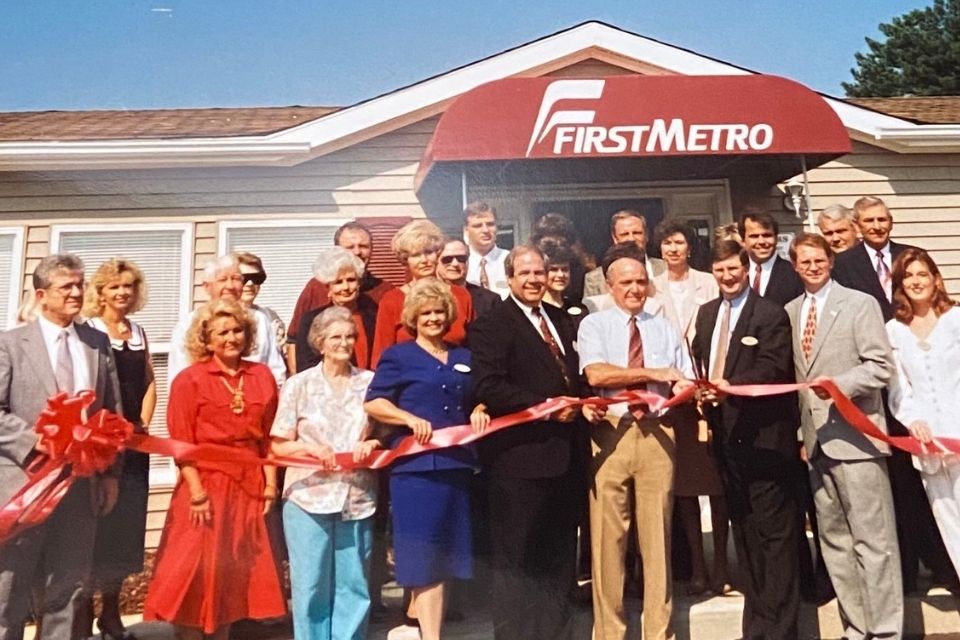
{"type": "Point", "coordinates": [523, 354]}
{"type": "Point", "coordinates": [868, 267]}
{"type": "Point", "coordinates": [745, 339]}
{"type": "Point", "coordinates": [769, 275]}
{"type": "Point", "coordinates": [452, 269]}
{"type": "Point", "coordinates": [38, 360]}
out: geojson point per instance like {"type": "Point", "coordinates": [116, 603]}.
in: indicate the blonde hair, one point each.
{"type": "Point", "coordinates": [107, 273]}
{"type": "Point", "coordinates": [423, 292]}
{"type": "Point", "coordinates": [198, 335]}
{"type": "Point", "coordinates": [416, 237]}
{"type": "Point", "coordinates": [29, 308]}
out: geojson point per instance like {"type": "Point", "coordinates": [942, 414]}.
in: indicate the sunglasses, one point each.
{"type": "Point", "coordinates": [255, 278]}
{"type": "Point", "coordinates": [449, 259]}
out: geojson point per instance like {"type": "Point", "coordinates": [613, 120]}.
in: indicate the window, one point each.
{"type": "Point", "coordinates": [11, 273]}
{"type": "Point", "coordinates": [164, 254]}
{"type": "Point", "coordinates": [287, 250]}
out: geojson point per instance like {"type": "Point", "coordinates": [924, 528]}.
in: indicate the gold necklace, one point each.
{"type": "Point", "coordinates": [237, 405]}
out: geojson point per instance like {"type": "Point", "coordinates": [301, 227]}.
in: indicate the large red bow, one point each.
{"type": "Point", "coordinates": [73, 448]}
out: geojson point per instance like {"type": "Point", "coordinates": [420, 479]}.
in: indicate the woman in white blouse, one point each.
{"type": "Point", "coordinates": [925, 395]}
{"type": "Point", "coordinates": [327, 515]}
{"type": "Point", "coordinates": [681, 290]}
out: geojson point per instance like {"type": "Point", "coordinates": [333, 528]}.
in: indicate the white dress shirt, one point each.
{"type": "Point", "coordinates": [51, 339]}
{"type": "Point", "coordinates": [821, 298]}
{"type": "Point", "coordinates": [736, 306]}
{"type": "Point", "coordinates": [495, 267]}
{"type": "Point", "coordinates": [604, 337]}
{"type": "Point", "coordinates": [535, 321]}
{"type": "Point", "coordinates": [766, 270]}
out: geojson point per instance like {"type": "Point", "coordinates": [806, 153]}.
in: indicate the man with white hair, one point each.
{"type": "Point", "coordinates": [222, 280]}
{"type": "Point", "coordinates": [837, 226]}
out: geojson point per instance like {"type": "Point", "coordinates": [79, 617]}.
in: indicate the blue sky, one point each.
{"type": "Point", "coordinates": [115, 54]}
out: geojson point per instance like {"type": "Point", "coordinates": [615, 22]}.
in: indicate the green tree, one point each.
{"type": "Point", "coordinates": [920, 56]}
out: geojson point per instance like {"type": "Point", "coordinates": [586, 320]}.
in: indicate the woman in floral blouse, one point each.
{"type": "Point", "coordinates": [327, 514]}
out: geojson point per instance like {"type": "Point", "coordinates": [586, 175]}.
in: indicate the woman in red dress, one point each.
{"type": "Point", "coordinates": [214, 565]}
{"type": "Point", "coordinates": [417, 246]}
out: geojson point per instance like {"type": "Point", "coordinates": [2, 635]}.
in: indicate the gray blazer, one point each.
{"type": "Point", "coordinates": [850, 346]}
{"type": "Point", "coordinates": [27, 380]}
{"type": "Point", "coordinates": [594, 284]}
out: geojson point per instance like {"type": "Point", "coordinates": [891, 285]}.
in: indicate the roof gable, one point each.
{"type": "Point", "coordinates": [590, 41]}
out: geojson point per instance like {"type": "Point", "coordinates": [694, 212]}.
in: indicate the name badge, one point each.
{"type": "Point", "coordinates": [462, 368]}
{"type": "Point", "coordinates": [749, 341]}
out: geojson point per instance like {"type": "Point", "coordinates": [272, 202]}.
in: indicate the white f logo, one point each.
{"type": "Point", "coordinates": [564, 90]}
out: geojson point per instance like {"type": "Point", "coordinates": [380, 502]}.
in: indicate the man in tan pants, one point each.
{"type": "Point", "coordinates": [626, 347]}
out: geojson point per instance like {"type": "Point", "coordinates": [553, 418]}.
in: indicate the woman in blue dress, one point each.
{"type": "Point", "coordinates": [424, 385]}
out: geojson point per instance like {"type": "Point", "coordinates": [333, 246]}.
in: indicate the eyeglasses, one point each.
{"type": "Point", "coordinates": [449, 259]}
{"type": "Point", "coordinates": [256, 278]}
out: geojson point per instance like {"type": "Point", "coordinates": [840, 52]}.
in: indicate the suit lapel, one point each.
{"type": "Point", "coordinates": [739, 331]}
{"type": "Point", "coordinates": [36, 352]}
{"type": "Point", "coordinates": [534, 338]}
{"type": "Point", "coordinates": [827, 317]}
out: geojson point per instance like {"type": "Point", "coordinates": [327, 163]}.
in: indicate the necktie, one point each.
{"type": "Point", "coordinates": [883, 273]}
{"type": "Point", "coordinates": [635, 359]}
{"type": "Point", "coordinates": [552, 345]}
{"type": "Point", "coordinates": [484, 278]}
{"type": "Point", "coordinates": [723, 343]}
{"type": "Point", "coordinates": [756, 280]}
{"type": "Point", "coordinates": [64, 372]}
{"type": "Point", "coordinates": [809, 329]}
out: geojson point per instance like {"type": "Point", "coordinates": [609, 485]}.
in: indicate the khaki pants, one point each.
{"type": "Point", "coordinates": [632, 464]}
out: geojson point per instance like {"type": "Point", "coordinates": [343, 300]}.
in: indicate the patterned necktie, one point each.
{"type": "Point", "coordinates": [64, 372]}
{"type": "Point", "coordinates": [756, 280]}
{"type": "Point", "coordinates": [883, 273]}
{"type": "Point", "coordinates": [723, 343]}
{"type": "Point", "coordinates": [809, 329]}
{"type": "Point", "coordinates": [552, 345]}
{"type": "Point", "coordinates": [484, 278]}
{"type": "Point", "coordinates": [635, 359]}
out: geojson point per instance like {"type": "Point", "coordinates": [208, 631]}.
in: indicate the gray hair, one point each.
{"type": "Point", "coordinates": [835, 213]}
{"type": "Point", "coordinates": [323, 322]}
{"type": "Point", "coordinates": [218, 264]}
{"type": "Point", "coordinates": [332, 261]}
{"type": "Point", "coordinates": [52, 264]}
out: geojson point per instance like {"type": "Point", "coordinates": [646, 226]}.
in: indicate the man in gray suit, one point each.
{"type": "Point", "coordinates": [625, 226]}
{"type": "Point", "coordinates": [838, 334]}
{"type": "Point", "coordinates": [38, 360]}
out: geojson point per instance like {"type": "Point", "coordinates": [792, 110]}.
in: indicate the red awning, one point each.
{"type": "Point", "coordinates": [719, 120]}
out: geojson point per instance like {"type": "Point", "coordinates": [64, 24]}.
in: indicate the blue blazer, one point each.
{"type": "Point", "coordinates": [417, 382]}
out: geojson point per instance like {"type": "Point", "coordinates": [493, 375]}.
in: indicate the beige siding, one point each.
{"type": "Point", "coordinates": [374, 178]}
{"type": "Point", "coordinates": [922, 191]}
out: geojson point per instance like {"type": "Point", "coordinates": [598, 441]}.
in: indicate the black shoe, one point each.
{"type": "Point", "coordinates": [113, 631]}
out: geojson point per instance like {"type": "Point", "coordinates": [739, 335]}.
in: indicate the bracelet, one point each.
{"type": "Point", "coordinates": [200, 500]}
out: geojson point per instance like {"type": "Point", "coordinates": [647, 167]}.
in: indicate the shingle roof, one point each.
{"type": "Point", "coordinates": [156, 123]}
{"type": "Point", "coordinates": [920, 109]}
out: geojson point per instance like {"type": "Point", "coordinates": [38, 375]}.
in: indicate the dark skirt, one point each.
{"type": "Point", "coordinates": [118, 551]}
{"type": "Point", "coordinates": [431, 526]}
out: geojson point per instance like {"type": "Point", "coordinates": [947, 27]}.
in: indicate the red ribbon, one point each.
{"type": "Point", "coordinates": [77, 448]}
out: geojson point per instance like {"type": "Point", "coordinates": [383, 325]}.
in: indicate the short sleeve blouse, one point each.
{"type": "Point", "coordinates": [311, 411]}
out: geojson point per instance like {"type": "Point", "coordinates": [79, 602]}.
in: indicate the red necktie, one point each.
{"type": "Point", "coordinates": [756, 280]}
{"type": "Point", "coordinates": [552, 345]}
{"type": "Point", "coordinates": [635, 359]}
{"type": "Point", "coordinates": [809, 329]}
